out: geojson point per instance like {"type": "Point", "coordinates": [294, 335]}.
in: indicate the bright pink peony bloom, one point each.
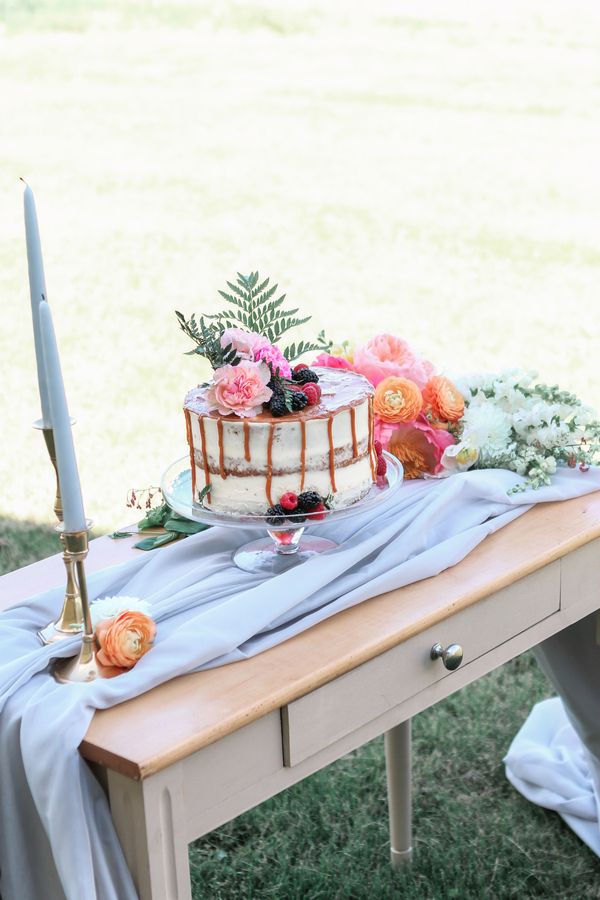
{"type": "Point", "coordinates": [270, 354]}
{"type": "Point", "coordinates": [332, 362]}
{"type": "Point", "coordinates": [240, 389]}
{"type": "Point", "coordinates": [387, 355]}
{"type": "Point", "coordinates": [243, 342]}
{"type": "Point", "coordinates": [420, 436]}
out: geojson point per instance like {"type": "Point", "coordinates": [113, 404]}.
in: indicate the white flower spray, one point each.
{"type": "Point", "coordinates": [513, 423]}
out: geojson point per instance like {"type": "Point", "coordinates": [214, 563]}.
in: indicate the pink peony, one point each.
{"type": "Point", "coordinates": [243, 342]}
{"type": "Point", "coordinates": [332, 362]}
{"type": "Point", "coordinates": [386, 355]}
{"type": "Point", "coordinates": [240, 389]}
{"type": "Point", "coordinates": [418, 445]}
{"type": "Point", "coordinates": [270, 354]}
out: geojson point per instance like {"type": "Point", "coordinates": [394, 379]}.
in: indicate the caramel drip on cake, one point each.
{"type": "Point", "coordinates": [204, 456]}
{"type": "Point", "coordinates": [372, 455]}
{"type": "Point", "coordinates": [270, 462]}
{"type": "Point", "coordinates": [331, 454]}
{"type": "Point", "coordinates": [247, 442]}
{"type": "Point", "coordinates": [222, 471]}
{"type": "Point", "coordinates": [188, 431]}
{"type": "Point", "coordinates": [302, 452]}
{"type": "Point", "coordinates": [353, 426]}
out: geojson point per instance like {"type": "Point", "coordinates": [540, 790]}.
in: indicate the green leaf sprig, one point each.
{"type": "Point", "coordinates": [255, 308]}
{"type": "Point", "coordinates": [162, 516]}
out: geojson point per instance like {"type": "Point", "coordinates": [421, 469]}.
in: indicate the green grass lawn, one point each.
{"type": "Point", "coordinates": [427, 169]}
{"type": "Point", "coordinates": [424, 168]}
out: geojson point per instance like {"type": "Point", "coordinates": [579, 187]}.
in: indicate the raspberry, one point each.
{"type": "Point", "coordinates": [299, 400]}
{"type": "Point", "coordinates": [303, 376]}
{"type": "Point", "coordinates": [289, 500]}
{"type": "Point", "coordinates": [276, 515]}
{"type": "Point", "coordinates": [378, 447]}
{"type": "Point", "coordinates": [313, 392]}
{"type": "Point", "coordinates": [300, 366]}
{"type": "Point", "coordinates": [381, 466]}
{"type": "Point", "coordinates": [308, 500]}
{"type": "Point", "coordinates": [318, 512]}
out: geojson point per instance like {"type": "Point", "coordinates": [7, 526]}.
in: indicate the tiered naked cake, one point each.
{"type": "Point", "coordinates": [251, 462]}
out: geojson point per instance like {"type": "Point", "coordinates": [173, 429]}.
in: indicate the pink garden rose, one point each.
{"type": "Point", "coordinates": [332, 362]}
{"type": "Point", "coordinates": [253, 346]}
{"type": "Point", "coordinates": [243, 342]}
{"type": "Point", "coordinates": [386, 355]}
{"type": "Point", "coordinates": [240, 389]}
{"type": "Point", "coordinates": [418, 445]}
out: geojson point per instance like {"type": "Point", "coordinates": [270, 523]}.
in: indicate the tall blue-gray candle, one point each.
{"type": "Point", "coordinates": [68, 475]}
{"type": "Point", "coordinates": [37, 290]}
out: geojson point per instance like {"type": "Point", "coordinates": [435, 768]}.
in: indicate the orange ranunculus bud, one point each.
{"type": "Point", "coordinates": [397, 400]}
{"type": "Point", "coordinates": [443, 399]}
{"type": "Point", "coordinates": [124, 639]}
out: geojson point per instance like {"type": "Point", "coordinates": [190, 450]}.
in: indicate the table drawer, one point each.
{"type": "Point", "coordinates": [340, 707]}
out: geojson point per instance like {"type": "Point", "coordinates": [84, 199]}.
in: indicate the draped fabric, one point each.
{"type": "Point", "coordinates": [554, 760]}
{"type": "Point", "coordinates": [56, 836]}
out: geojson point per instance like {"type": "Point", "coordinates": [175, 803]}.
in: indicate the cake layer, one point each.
{"type": "Point", "coordinates": [248, 494]}
{"type": "Point", "coordinates": [250, 462]}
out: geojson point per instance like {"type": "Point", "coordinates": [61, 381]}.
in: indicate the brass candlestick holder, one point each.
{"type": "Point", "coordinates": [70, 620]}
{"type": "Point", "coordinates": [83, 666]}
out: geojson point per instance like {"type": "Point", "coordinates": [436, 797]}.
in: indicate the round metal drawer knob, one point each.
{"type": "Point", "coordinates": [451, 656]}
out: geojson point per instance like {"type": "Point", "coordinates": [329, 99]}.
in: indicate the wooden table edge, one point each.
{"type": "Point", "coordinates": [286, 693]}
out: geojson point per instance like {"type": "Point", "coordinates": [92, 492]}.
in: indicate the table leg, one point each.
{"type": "Point", "coordinates": [149, 820]}
{"type": "Point", "coordinates": [398, 769]}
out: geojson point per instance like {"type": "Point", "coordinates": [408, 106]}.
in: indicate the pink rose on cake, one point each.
{"type": "Point", "coordinates": [253, 346]}
{"type": "Point", "coordinates": [243, 342]}
{"type": "Point", "coordinates": [386, 355]}
{"type": "Point", "coordinates": [240, 389]}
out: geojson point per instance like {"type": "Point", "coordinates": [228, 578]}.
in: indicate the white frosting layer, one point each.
{"type": "Point", "coordinates": [251, 463]}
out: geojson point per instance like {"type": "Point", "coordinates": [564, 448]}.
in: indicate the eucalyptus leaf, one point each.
{"type": "Point", "coordinates": [150, 543]}
{"type": "Point", "coordinates": [120, 534]}
{"type": "Point", "coordinates": [184, 526]}
{"type": "Point", "coordinates": [155, 517]}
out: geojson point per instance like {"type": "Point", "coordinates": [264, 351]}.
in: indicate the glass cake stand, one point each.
{"type": "Point", "coordinates": [287, 545]}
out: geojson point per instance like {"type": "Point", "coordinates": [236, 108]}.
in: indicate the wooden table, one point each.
{"type": "Point", "coordinates": [197, 751]}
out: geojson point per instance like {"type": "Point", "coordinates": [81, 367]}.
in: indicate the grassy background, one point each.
{"type": "Point", "coordinates": [427, 168]}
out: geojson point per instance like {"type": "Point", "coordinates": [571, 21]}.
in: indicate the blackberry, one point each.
{"type": "Point", "coordinates": [299, 400]}
{"type": "Point", "coordinates": [276, 515]}
{"type": "Point", "coordinates": [303, 376]}
{"type": "Point", "coordinates": [308, 500]}
{"type": "Point", "coordinates": [277, 405]}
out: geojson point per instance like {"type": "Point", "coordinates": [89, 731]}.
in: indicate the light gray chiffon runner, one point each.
{"type": "Point", "coordinates": [56, 834]}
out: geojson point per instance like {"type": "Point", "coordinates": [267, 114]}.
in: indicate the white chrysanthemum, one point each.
{"type": "Point", "coordinates": [109, 607]}
{"type": "Point", "coordinates": [486, 428]}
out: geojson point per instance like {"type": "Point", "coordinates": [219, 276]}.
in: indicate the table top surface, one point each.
{"type": "Point", "coordinates": [197, 709]}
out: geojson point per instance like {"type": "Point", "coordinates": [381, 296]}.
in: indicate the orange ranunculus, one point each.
{"type": "Point", "coordinates": [124, 639]}
{"type": "Point", "coordinates": [397, 400]}
{"type": "Point", "coordinates": [443, 399]}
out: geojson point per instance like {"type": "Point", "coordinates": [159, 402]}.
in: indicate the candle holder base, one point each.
{"type": "Point", "coordinates": [52, 633]}
{"type": "Point", "coordinates": [81, 668]}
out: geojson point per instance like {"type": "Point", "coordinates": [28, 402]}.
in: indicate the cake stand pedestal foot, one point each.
{"type": "Point", "coordinates": [271, 556]}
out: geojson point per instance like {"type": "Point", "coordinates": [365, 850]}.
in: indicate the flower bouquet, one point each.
{"type": "Point", "coordinates": [436, 426]}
